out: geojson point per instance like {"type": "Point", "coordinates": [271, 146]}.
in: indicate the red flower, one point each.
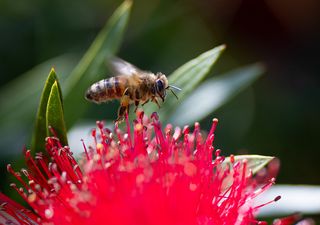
{"type": "Point", "coordinates": [147, 177]}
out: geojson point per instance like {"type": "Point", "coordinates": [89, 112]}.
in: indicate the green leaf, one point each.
{"type": "Point", "coordinates": [187, 77]}
{"type": "Point", "coordinates": [54, 114]}
{"type": "Point", "coordinates": [255, 162]}
{"type": "Point", "coordinates": [41, 128]}
{"type": "Point", "coordinates": [214, 93]}
{"type": "Point", "coordinates": [26, 91]}
{"type": "Point", "coordinates": [92, 65]}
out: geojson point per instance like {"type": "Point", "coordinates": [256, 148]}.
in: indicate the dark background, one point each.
{"type": "Point", "coordinates": [278, 115]}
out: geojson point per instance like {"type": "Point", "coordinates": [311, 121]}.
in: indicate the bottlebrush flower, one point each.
{"type": "Point", "coordinates": [148, 177]}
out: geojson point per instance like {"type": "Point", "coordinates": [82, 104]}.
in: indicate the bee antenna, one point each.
{"type": "Point", "coordinates": [174, 93]}
{"type": "Point", "coordinates": [170, 87]}
{"type": "Point", "coordinates": [174, 87]}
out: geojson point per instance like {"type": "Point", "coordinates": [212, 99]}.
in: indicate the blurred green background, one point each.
{"type": "Point", "coordinates": [278, 115]}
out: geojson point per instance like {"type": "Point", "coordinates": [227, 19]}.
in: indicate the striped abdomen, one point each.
{"type": "Point", "coordinates": [106, 89]}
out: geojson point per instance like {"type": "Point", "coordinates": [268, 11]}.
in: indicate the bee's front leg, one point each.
{"type": "Point", "coordinates": [145, 102]}
{"type": "Point", "coordinates": [155, 101]}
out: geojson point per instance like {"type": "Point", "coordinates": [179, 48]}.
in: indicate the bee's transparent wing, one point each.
{"type": "Point", "coordinates": [120, 67]}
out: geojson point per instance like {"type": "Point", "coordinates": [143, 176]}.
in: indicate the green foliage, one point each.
{"type": "Point", "coordinates": [214, 93]}
{"type": "Point", "coordinates": [187, 77]}
{"type": "Point", "coordinates": [255, 162]}
{"type": "Point", "coordinates": [91, 66]}
{"type": "Point", "coordinates": [50, 112]}
{"type": "Point", "coordinates": [54, 114]}
{"type": "Point", "coordinates": [26, 90]}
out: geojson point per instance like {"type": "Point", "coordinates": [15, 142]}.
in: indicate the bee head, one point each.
{"type": "Point", "coordinates": [161, 85]}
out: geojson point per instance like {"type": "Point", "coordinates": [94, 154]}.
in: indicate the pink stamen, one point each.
{"type": "Point", "coordinates": [152, 174]}
{"type": "Point", "coordinates": [267, 203]}
{"type": "Point", "coordinates": [85, 150]}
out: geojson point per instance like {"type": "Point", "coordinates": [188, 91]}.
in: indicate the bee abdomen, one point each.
{"type": "Point", "coordinates": [105, 90]}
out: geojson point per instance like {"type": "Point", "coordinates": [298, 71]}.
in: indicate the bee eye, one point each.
{"type": "Point", "coordinates": [159, 86]}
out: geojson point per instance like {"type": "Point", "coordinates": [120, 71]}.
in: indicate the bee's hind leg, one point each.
{"type": "Point", "coordinates": [121, 113]}
{"type": "Point", "coordinates": [124, 106]}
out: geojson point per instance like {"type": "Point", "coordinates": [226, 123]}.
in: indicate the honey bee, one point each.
{"type": "Point", "coordinates": [131, 86]}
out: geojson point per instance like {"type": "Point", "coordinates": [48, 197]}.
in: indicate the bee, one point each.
{"type": "Point", "coordinates": [131, 86]}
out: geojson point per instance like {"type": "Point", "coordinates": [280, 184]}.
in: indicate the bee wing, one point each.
{"type": "Point", "coordinates": [121, 67]}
